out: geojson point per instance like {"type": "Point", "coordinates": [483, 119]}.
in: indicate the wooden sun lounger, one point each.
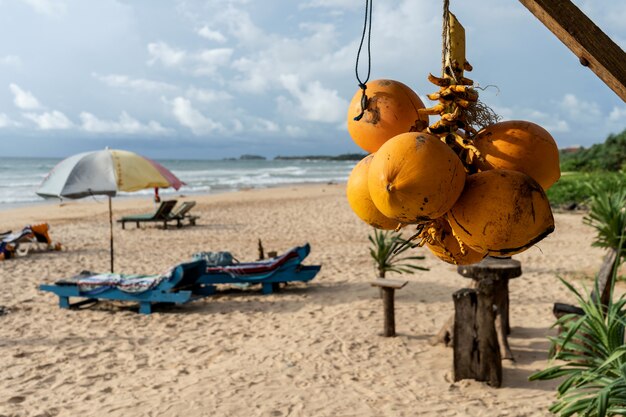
{"type": "Point", "coordinates": [161, 214]}
{"type": "Point", "coordinates": [181, 213]}
{"type": "Point", "coordinates": [194, 280]}
{"type": "Point", "coordinates": [180, 288]}
{"type": "Point", "coordinates": [269, 273]}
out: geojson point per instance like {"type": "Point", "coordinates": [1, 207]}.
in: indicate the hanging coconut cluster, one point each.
{"type": "Point", "coordinates": [473, 186]}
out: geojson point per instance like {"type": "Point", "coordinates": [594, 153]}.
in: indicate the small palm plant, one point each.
{"type": "Point", "coordinates": [592, 348]}
{"type": "Point", "coordinates": [607, 214]}
{"type": "Point", "coordinates": [388, 252]}
{"type": "Point", "coordinates": [592, 344]}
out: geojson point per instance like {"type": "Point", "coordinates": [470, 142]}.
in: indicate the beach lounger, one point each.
{"type": "Point", "coordinates": [180, 285]}
{"type": "Point", "coordinates": [30, 237]}
{"type": "Point", "coordinates": [269, 273]}
{"type": "Point", "coordinates": [161, 214]}
{"type": "Point", "coordinates": [181, 213]}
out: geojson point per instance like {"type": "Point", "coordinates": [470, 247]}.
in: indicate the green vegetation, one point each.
{"type": "Point", "coordinates": [584, 170]}
{"type": "Point", "coordinates": [593, 356]}
{"type": "Point", "coordinates": [577, 187]}
{"type": "Point", "coordinates": [386, 250]}
{"type": "Point", "coordinates": [607, 215]}
{"type": "Point", "coordinates": [591, 347]}
{"type": "Point", "coordinates": [607, 156]}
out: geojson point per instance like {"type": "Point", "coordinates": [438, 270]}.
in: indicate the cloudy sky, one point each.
{"type": "Point", "coordinates": [218, 78]}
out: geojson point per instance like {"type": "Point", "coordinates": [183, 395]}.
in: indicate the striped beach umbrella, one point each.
{"type": "Point", "coordinates": [105, 172]}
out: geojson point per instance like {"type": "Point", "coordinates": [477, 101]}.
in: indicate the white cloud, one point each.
{"type": "Point", "coordinates": [54, 120]}
{"type": "Point", "coordinates": [579, 109]}
{"type": "Point", "coordinates": [22, 99]}
{"type": "Point", "coordinates": [139, 84]}
{"type": "Point", "coordinates": [125, 125]}
{"type": "Point", "coordinates": [165, 54]}
{"type": "Point", "coordinates": [190, 117]}
{"type": "Point", "coordinates": [208, 61]}
{"type": "Point", "coordinates": [205, 62]}
{"type": "Point", "coordinates": [553, 123]}
{"type": "Point", "coordinates": [334, 4]}
{"type": "Point", "coordinates": [212, 35]}
{"type": "Point", "coordinates": [11, 61]}
{"type": "Point", "coordinates": [314, 102]}
{"type": "Point", "coordinates": [5, 121]}
{"type": "Point", "coordinates": [618, 115]}
{"type": "Point", "coordinates": [48, 7]}
{"type": "Point", "coordinates": [317, 53]}
{"type": "Point", "coordinates": [208, 96]}
{"type": "Point", "coordinates": [265, 126]}
{"type": "Point", "coordinates": [295, 131]}
{"type": "Point", "coordinates": [241, 26]}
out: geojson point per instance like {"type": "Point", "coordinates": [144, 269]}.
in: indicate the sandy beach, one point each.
{"type": "Point", "coordinates": [308, 350]}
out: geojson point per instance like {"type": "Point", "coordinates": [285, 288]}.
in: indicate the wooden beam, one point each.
{"type": "Point", "coordinates": [593, 47]}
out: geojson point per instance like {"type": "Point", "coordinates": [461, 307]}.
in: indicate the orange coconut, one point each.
{"type": "Point", "coordinates": [391, 110]}
{"type": "Point", "coordinates": [359, 197]}
{"type": "Point", "coordinates": [448, 249]}
{"type": "Point", "coordinates": [519, 146]}
{"type": "Point", "coordinates": [415, 177]}
{"type": "Point", "coordinates": [502, 212]}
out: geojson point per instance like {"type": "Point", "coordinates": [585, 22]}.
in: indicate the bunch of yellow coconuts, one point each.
{"type": "Point", "coordinates": [486, 198]}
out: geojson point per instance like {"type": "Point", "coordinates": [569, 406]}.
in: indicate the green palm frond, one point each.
{"type": "Point", "coordinates": [593, 356]}
{"type": "Point", "coordinates": [607, 214]}
{"type": "Point", "coordinates": [388, 250]}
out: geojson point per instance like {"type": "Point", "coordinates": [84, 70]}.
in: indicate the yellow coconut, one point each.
{"type": "Point", "coordinates": [415, 177]}
{"type": "Point", "coordinates": [359, 197]}
{"type": "Point", "coordinates": [391, 110]}
{"type": "Point", "coordinates": [519, 146]}
{"type": "Point", "coordinates": [502, 212]}
{"type": "Point", "coordinates": [447, 247]}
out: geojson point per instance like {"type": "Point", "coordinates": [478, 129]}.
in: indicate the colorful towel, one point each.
{"type": "Point", "coordinates": [132, 284]}
{"type": "Point", "coordinates": [254, 269]}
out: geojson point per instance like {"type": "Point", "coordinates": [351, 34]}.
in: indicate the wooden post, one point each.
{"type": "Point", "coordinates": [498, 271]}
{"type": "Point", "coordinates": [261, 254]}
{"type": "Point", "coordinates": [389, 313]}
{"type": "Point", "coordinates": [111, 228]}
{"type": "Point", "coordinates": [605, 278]}
{"type": "Point", "coordinates": [593, 47]}
{"type": "Point", "coordinates": [388, 287]}
{"type": "Point", "coordinates": [475, 342]}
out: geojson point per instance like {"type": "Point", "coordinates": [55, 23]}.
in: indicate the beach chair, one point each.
{"type": "Point", "coordinates": [179, 285]}
{"type": "Point", "coordinates": [181, 213]}
{"type": "Point", "coordinates": [268, 273]}
{"type": "Point", "coordinates": [30, 237]}
{"type": "Point", "coordinates": [161, 214]}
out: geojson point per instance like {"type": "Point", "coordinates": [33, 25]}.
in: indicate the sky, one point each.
{"type": "Point", "coordinates": [208, 79]}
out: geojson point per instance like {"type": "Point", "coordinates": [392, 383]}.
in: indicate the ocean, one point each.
{"type": "Point", "coordinates": [21, 177]}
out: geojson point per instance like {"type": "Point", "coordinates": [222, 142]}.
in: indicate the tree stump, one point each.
{"type": "Point", "coordinates": [388, 287]}
{"type": "Point", "coordinates": [476, 348]}
{"type": "Point", "coordinates": [496, 272]}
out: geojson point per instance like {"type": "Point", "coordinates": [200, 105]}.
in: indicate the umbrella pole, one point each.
{"type": "Point", "coordinates": [111, 228]}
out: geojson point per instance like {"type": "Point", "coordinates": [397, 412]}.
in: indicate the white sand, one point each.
{"type": "Point", "coordinates": [310, 350]}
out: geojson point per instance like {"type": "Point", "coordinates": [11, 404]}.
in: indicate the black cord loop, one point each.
{"type": "Point", "coordinates": [367, 28]}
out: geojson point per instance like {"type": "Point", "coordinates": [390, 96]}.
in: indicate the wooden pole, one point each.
{"type": "Point", "coordinates": [388, 307]}
{"type": "Point", "coordinates": [111, 229]}
{"type": "Point", "coordinates": [388, 287]}
{"type": "Point", "coordinates": [593, 47]}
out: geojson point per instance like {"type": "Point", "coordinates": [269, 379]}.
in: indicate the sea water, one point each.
{"type": "Point", "coordinates": [21, 177]}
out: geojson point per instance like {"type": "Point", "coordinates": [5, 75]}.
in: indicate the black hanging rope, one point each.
{"type": "Point", "coordinates": [367, 28]}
